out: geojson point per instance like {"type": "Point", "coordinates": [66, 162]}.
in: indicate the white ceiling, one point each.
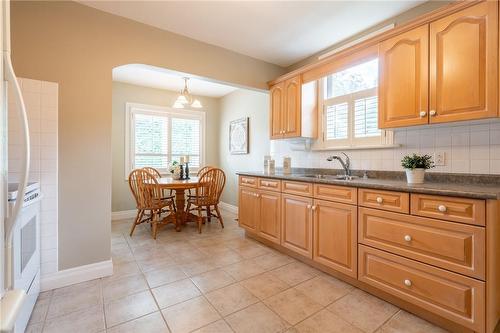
{"type": "Point", "coordinates": [155, 77]}
{"type": "Point", "coordinates": [279, 32]}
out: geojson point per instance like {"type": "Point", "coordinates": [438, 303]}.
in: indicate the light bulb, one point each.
{"type": "Point", "coordinates": [196, 104]}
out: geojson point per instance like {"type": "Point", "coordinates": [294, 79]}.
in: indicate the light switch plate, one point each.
{"type": "Point", "coordinates": [440, 158]}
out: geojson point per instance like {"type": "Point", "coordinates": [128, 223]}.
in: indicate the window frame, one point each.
{"type": "Point", "coordinates": [351, 142]}
{"type": "Point", "coordinates": [132, 109]}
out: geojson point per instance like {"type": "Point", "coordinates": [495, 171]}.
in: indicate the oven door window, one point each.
{"type": "Point", "coordinates": [28, 242]}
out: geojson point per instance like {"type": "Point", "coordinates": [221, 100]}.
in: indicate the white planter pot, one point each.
{"type": "Point", "coordinates": [415, 176]}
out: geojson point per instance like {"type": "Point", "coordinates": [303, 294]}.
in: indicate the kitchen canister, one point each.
{"type": "Point", "coordinates": [287, 165]}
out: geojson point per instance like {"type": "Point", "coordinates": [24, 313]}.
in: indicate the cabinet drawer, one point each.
{"type": "Point", "coordinates": [248, 181]}
{"type": "Point", "coordinates": [471, 211]}
{"type": "Point", "coordinates": [453, 246]}
{"type": "Point", "coordinates": [341, 194]}
{"type": "Point", "coordinates": [269, 184]}
{"type": "Point", "coordinates": [386, 200]}
{"type": "Point", "coordinates": [298, 188]}
{"type": "Point", "coordinates": [452, 296]}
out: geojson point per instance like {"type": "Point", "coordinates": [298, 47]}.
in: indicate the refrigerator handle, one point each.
{"type": "Point", "coordinates": [10, 76]}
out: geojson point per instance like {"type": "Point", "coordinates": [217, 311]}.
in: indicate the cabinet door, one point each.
{"type": "Point", "coordinates": [248, 212]}
{"type": "Point", "coordinates": [291, 117]}
{"type": "Point", "coordinates": [277, 109]}
{"type": "Point", "coordinates": [404, 80]}
{"type": "Point", "coordinates": [270, 216]}
{"type": "Point", "coordinates": [463, 64]}
{"type": "Point", "coordinates": [296, 233]}
{"type": "Point", "coordinates": [335, 236]}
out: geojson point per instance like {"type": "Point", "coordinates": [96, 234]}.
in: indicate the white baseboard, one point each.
{"type": "Point", "coordinates": [228, 207]}
{"type": "Point", "coordinates": [124, 214]}
{"type": "Point", "coordinates": [76, 275]}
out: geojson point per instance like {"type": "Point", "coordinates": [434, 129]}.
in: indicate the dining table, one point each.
{"type": "Point", "coordinates": [180, 217]}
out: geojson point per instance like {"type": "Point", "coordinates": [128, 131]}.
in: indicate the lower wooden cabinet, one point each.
{"type": "Point", "coordinates": [297, 226]}
{"type": "Point", "coordinates": [260, 213]}
{"type": "Point", "coordinates": [335, 239]}
{"type": "Point", "coordinates": [450, 295]}
{"type": "Point", "coordinates": [248, 212]}
{"type": "Point", "coordinates": [269, 223]}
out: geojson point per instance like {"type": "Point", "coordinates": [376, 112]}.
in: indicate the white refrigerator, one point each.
{"type": "Point", "coordinates": [11, 300]}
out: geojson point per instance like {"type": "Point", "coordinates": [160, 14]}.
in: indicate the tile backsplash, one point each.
{"type": "Point", "coordinates": [41, 99]}
{"type": "Point", "coordinates": [469, 147]}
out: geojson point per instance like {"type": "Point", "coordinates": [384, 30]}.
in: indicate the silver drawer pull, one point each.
{"type": "Point", "coordinates": [407, 282]}
{"type": "Point", "coordinates": [314, 207]}
{"type": "Point", "coordinates": [380, 200]}
{"type": "Point", "coordinates": [442, 208]}
{"type": "Point", "coordinates": [433, 113]}
{"type": "Point", "coordinates": [407, 238]}
{"type": "Point", "coordinates": [423, 114]}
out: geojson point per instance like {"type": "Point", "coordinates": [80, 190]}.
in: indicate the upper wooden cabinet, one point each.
{"type": "Point", "coordinates": [293, 109]}
{"type": "Point", "coordinates": [403, 79]}
{"type": "Point", "coordinates": [276, 97]}
{"type": "Point", "coordinates": [463, 64]}
{"type": "Point", "coordinates": [441, 72]}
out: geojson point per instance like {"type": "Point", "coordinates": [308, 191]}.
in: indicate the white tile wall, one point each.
{"type": "Point", "coordinates": [41, 100]}
{"type": "Point", "coordinates": [469, 147]}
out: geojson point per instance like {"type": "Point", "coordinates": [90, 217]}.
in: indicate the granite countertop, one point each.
{"type": "Point", "coordinates": [458, 189]}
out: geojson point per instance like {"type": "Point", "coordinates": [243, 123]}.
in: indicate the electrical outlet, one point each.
{"type": "Point", "coordinates": [440, 158]}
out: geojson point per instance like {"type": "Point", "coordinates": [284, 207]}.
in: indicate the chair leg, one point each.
{"type": "Point", "coordinates": [200, 219]}
{"type": "Point", "coordinates": [219, 216]}
{"type": "Point", "coordinates": [154, 223]}
{"type": "Point", "coordinates": [209, 214]}
{"type": "Point", "coordinates": [137, 220]}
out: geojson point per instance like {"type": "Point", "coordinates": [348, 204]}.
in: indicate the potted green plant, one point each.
{"type": "Point", "coordinates": [415, 166]}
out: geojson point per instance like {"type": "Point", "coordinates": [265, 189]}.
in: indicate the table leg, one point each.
{"type": "Point", "coordinates": [180, 202]}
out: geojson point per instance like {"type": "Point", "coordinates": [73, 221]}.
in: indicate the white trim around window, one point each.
{"type": "Point", "coordinates": [131, 109]}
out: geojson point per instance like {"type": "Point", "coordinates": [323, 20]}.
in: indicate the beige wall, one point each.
{"type": "Point", "coordinates": [77, 47]}
{"type": "Point", "coordinates": [121, 199]}
{"type": "Point", "coordinates": [239, 104]}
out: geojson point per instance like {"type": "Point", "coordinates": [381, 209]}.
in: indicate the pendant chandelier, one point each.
{"type": "Point", "coordinates": [185, 99]}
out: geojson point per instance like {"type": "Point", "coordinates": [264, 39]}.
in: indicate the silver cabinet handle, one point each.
{"type": "Point", "coordinates": [423, 114]}
{"type": "Point", "coordinates": [380, 200]}
{"type": "Point", "coordinates": [314, 207]}
{"type": "Point", "coordinates": [432, 113]}
{"type": "Point", "coordinates": [442, 208]}
{"type": "Point", "coordinates": [308, 206]}
{"type": "Point", "coordinates": [407, 238]}
{"type": "Point", "coordinates": [407, 282]}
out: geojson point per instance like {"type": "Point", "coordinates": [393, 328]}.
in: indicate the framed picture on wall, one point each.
{"type": "Point", "coordinates": [238, 136]}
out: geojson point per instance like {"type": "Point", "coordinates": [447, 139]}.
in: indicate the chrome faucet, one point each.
{"type": "Point", "coordinates": [346, 165]}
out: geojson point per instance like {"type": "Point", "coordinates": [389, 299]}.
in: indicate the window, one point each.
{"type": "Point", "coordinates": [350, 107]}
{"type": "Point", "coordinates": [157, 136]}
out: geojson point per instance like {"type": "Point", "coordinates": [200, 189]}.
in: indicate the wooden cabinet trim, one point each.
{"type": "Point", "coordinates": [453, 246]}
{"type": "Point", "coordinates": [452, 296]}
{"type": "Point", "coordinates": [269, 184]}
{"type": "Point", "coordinates": [343, 194]}
{"type": "Point", "coordinates": [463, 210]}
{"type": "Point", "coordinates": [385, 200]}
{"type": "Point", "coordinates": [248, 181]}
{"type": "Point", "coordinates": [297, 188]}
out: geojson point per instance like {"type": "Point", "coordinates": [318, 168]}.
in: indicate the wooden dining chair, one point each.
{"type": "Point", "coordinates": [157, 175]}
{"type": "Point", "coordinates": [198, 174]}
{"type": "Point", "coordinates": [151, 197]}
{"type": "Point", "coordinates": [208, 192]}
{"type": "Point", "coordinates": [133, 183]}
